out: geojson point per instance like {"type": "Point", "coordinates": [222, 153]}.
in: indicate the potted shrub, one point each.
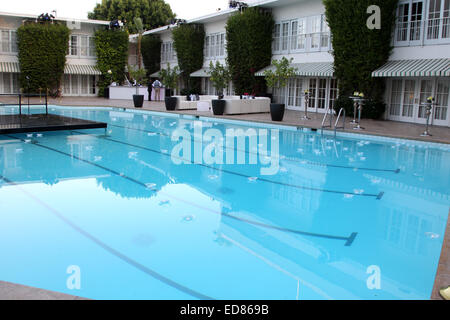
{"type": "Point", "coordinates": [138, 74]}
{"type": "Point", "coordinates": [219, 77]}
{"type": "Point", "coordinates": [169, 78]}
{"type": "Point", "coordinates": [278, 78]}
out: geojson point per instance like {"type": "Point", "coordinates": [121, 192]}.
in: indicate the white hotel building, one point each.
{"type": "Point", "coordinates": [419, 66]}
{"type": "Point", "coordinates": [80, 73]}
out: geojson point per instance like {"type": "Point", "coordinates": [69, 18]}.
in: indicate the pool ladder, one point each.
{"type": "Point", "coordinates": [330, 112]}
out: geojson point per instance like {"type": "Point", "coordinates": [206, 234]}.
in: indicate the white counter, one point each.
{"type": "Point", "coordinates": [126, 93]}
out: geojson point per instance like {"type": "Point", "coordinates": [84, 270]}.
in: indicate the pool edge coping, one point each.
{"type": "Point", "coordinates": [439, 143]}
{"type": "Point", "coordinates": [443, 270]}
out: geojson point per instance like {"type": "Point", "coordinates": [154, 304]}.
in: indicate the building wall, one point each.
{"type": "Point", "coordinates": [84, 54]}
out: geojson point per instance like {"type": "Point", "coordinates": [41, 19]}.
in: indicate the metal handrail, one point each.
{"type": "Point", "coordinates": [328, 110]}
{"type": "Point", "coordinates": [20, 96]}
{"type": "Point", "coordinates": [341, 112]}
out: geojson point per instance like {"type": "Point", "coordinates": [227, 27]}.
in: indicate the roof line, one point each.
{"type": "Point", "coordinates": [33, 16]}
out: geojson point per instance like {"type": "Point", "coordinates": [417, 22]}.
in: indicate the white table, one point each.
{"type": "Point", "coordinates": [126, 93]}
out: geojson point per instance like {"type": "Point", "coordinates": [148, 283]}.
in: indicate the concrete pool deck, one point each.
{"type": "Point", "coordinates": [12, 291]}
{"type": "Point", "coordinates": [292, 118]}
{"type": "Point", "coordinates": [386, 128]}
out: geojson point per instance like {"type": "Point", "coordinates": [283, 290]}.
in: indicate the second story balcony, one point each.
{"type": "Point", "coordinates": [422, 32]}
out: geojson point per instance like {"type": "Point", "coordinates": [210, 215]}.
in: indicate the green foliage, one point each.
{"type": "Point", "coordinates": [372, 109]}
{"type": "Point", "coordinates": [358, 51]}
{"type": "Point", "coordinates": [151, 53]}
{"type": "Point", "coordinates": [170, 76]}
{"type": "Point", "coordinates": [154, 13]}
{"type": "Point", "coordinates": [219, 76]}
{"type": "Point", "coordinates": [112, 55]}
{"type": "Point", "coordinates": [249, 47]}
{"type": "Point", "coordinates": [138, 74]}
{"type": "Point", "coordinates": [42, 55]}
{"type": "Point", "coordinates": [189, 41]}
{"type": "Point", "coordinates": [279, 77]}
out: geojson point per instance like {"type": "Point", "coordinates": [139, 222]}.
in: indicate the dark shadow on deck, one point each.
{"type": "Point", "coordinates": [44, 122]}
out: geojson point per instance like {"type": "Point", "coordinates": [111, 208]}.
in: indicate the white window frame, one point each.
{"type": "Point", "coordinates": [215, 46]}
{"type": "Point", "coordinates": [88, 48]}
{"type": "Point", "coordinates": [13, 80]}
{"type": "Point", "coordinates": [12, 48]}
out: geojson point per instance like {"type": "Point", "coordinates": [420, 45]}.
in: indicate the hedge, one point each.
{"type": "Point", "coordinates": [112, 54]}
{"type": "Point", "coordinates": [358, 50]}
{"type": "Point", "coordinates": [151, 53]}
{"type": "Point", "coordinates": [42, 56]}
{"type": "Point", "coordinates": [249, 47]}
{"type": "Point", "coordinates": [189, 40]}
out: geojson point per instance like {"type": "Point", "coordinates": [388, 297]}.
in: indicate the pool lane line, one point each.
{"type": "Point", "coordinates": [376, 196]}
{"type": "Point", "coordinates": [314, 163]}
{"type": "Point", "coordinates": [348, 240]}
{"type": "Point", "coordinates": [110, 249]}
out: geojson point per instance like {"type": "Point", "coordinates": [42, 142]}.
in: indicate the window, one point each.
{"type": "Point", "coordinates": [409, 21]}
{"type": "Point", "coordinates": [73, 45]}
{"type": "Point", "coordinates": [215, 46]}
{"type": "Point", "coordinates": [8, 41]}
{"type": "Point", "coordinates": [81, 46]}
{"type": "Point", "coordinates": [9, 83]}
{"type": "Point", "coordinates": [408, 98]}
{"type": "Point", "coordinates": [294, 38]}
{"type": "Point", "coordinates": [322, 94]}
{"type": "Point", "coordinates": [276, 38]}
{"type": "Point", "coordinates": [285, 36]}
{"type": "Point", "coordinates": [396, 98]}
{"type": "Point", "coordinates": [442, 99]}
{"type": "Point", "coordinates": [301, 42]}
{"type": "Point", "coordinates": [312, 93]}
{"type": "Point", "coordinates": [315, 31]}
{"type": "Point", "coordinates": [167, 52]}
{"type": "Point", "coordinates": [325, 33]}
{"type": "Point", "coordinates": [426, 90]}
{"type": "Point", "coordinates": [333, 92]}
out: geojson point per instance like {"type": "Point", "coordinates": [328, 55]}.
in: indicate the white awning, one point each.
{"type": "Point", "coordinates": [202, 73]}
{"type": "Point", "coordinates": [81, 69]}
{"type": "Point", "coordinates": [9, 67]}
{"type": "Point", "coordinates": [312, 69]}
{"type": "Point", "coordinates": [415, 68]}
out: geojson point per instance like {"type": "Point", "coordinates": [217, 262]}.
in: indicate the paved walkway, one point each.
{"type": "Point", "coordinates": [12, 291]}
{"type": "Point", "coordinates": [293, 118]}
{"type": "Point", "coordinates": [385, 128]}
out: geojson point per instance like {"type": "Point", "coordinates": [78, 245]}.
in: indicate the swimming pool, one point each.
{"type": "Point", "coordinates": [352, 217]}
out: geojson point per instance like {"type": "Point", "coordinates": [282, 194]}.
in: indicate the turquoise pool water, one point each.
{"type": "Point", "coordinates": [136, 225]}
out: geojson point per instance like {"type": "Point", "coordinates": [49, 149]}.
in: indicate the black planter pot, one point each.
{"type": "Point", "coordinates": [218, 107]}
{"type": "Point", "coordinates": [171, 103]}
{"type": "Point", "coordinates": [138, 100]}
{"type": "Point", "coordinates": [277, 111]}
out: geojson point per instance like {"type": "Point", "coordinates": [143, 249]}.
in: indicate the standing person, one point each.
{"type": "Point", "coordinates": [157, 86]}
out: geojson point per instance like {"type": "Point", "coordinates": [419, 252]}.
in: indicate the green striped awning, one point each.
{"type": "Point", "coordinates": [9, 67]}
{"type": "Point", "coordinates": [415, 68]}
{"type": "Point", "coordinates": [202, 73]}
{"type": "Point", "coordinates": [81, 69]}
{"type": "Point", "coordinates": [313, 69]}
{"type": "Point", "coordinates": [157, 75]}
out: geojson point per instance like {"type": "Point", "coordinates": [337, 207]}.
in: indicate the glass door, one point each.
{"type": "Point", "coordinates": [440, 116]}
{"type": "Point", "coordinates": [426, 90]}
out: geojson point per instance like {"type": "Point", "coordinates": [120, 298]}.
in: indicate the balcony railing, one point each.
{"type": "Point", "coordinates": [421, 32]}
{"type": "Point", "coordinates": [310, 42]}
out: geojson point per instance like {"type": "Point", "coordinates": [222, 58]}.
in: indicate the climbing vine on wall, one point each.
{"type": "Point", "coordinates": [189, 42]}
{"type": "Point", "coordinates": [42, 56]}
{"type": "Point", "coordinates": [151, 53]}
{"type": "Point", "coordinates": [249, 47]}
{"type": "Point", "coordinates": [112, 54]}
{"type": "Point", "coordinates": [358, 50]}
